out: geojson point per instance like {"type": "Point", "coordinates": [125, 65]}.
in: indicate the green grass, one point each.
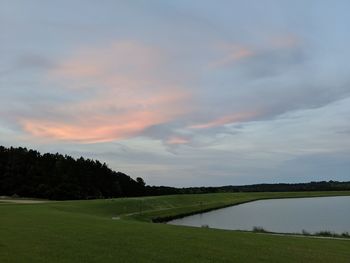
{"type": "Point", "coordinates": [83, 231]}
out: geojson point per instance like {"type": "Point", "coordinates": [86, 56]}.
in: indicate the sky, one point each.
{"type": "Point", "coordinates": [181, 93]}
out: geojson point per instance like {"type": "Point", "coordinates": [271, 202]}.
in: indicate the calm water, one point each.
{"type": "Point", "coordinates": [279, 215]}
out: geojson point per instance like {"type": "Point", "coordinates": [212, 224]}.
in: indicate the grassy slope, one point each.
{"type": "Point", "coordinates": [82, 231]}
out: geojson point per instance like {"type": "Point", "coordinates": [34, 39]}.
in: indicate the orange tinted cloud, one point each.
{"type": "Point", "coordinates": [96, 129]}
{"type": "Point", "coordinates": [238, 117]}
{"type": "Point", "coordinates": [177, 140]}
{"type": "Point", "coordinates": [232, 54]}
{"type": "Point", "coordinates": [123, 92]}
{"type": "Point", "coordinates": [123, 62]}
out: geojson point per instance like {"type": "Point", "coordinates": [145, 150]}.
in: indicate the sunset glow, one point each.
{"type": "Point", "coordinates": [181, 93]}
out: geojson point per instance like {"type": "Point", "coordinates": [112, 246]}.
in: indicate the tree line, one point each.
{"type": "Point", "coordinates": [280, 187]}
{"type": "Point", "coordinates": [28, 173]}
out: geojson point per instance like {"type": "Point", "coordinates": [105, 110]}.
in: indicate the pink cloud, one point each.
{"type": "Point", "coordinates": [97, 128]}
{"type": "Point", "coordinates": [123, 67]}
{"type": "Point", "coordinates": [232, 54]}
{"type": "Point", "coordinates": [238, 117]}
{"type": "Point", "coordinates": [177, 140]}
{"type": "Point", "coordinates": [123, 92]}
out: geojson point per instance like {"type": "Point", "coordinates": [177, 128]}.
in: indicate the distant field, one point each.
{"type": "Point", "coordinates": [84, 231]}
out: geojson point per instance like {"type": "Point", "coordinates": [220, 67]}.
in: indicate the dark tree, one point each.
{"type": "Point", "coordinates": [140, 181]}
{"type": "Point", "coordinates": [27, 173]}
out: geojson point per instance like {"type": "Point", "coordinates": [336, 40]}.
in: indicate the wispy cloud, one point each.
{"type": "Point", "coordinates": [232, 54]}
{"type": "Point", "coordinates": [232, 91]}
{"type": "Point", "coordinates": [96, 128]}
{"type": "Point", "coordinates": [174, 140]}
{"type": "Point", "coordinates": [123, 92]}
{"type": "Point", "coordinates": [238, 117]}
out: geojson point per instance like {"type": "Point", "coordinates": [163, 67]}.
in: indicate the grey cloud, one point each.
{"type": "Point", "coordinates": [316, 167]}
{"type": "Point", "coordinates": [272, 82]}
{"type": "Point", "coordinates": [160, 131]}
{"type": "Point", "coordinates": [270, 63]}
{"type": "Point", "coordinates": [27, 62]}
{"type": "Point", "coordinates": [34, 61]}
{"type": "Point", "coordinates": [282, 84]}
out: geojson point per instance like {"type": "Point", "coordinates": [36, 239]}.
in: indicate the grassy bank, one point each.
{"type": "Point", "coordinates": [83, 231]}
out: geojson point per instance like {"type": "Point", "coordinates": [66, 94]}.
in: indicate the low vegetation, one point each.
{"type": "Point", "coordinates": [326, 233]}
{"type": "Point", "coordinates": [259, 229]}
{"type": "Point", "coordinates": [84, 231]}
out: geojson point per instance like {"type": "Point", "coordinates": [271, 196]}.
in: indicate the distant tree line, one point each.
{"type": "Point", "coordinates": [28, 173]}
{"type": "Point", "coordinates": [282, 187]}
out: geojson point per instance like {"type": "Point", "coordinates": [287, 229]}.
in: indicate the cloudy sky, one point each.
{"type": "Point", "coordinates": [181, 93]}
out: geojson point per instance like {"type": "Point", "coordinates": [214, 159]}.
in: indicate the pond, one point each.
{"type": "Point", "coordinates": [292, 215]}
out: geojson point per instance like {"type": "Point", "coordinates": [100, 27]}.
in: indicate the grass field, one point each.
{"type": "Point", "coordinates": [84, 231]}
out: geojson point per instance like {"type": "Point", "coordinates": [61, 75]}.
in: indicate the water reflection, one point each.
{"type": "Point", "coordinates": [279, 215]}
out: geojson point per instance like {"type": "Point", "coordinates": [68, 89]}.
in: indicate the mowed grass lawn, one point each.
{"type": "Point", "coordinates": [83, 231]}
